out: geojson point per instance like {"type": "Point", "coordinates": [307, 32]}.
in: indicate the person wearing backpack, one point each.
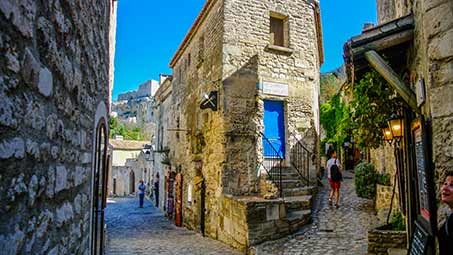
{"type": "Point", "coordinates": [335, 177]}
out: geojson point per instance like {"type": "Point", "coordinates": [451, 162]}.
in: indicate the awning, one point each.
{"type": "Point", "coordinates": [392, 40]}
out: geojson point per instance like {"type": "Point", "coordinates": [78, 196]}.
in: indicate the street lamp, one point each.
{"type": "Point", "coordinates": [388, 137]}
{"type": "Point", "coordinates": [393, 132]}
{"type": "Point", "coordinates": [396, 126]}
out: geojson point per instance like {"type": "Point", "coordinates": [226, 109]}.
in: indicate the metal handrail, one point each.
{"type": "Point", "coordinates": [300, 160]}
{"type": "Point", "coordinates": [276, 160]}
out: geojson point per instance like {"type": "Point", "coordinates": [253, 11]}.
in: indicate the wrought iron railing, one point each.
{"type": "Point", "coordinates": [272, 163]}
{"type": "Point", "coordinates": [300, 160]}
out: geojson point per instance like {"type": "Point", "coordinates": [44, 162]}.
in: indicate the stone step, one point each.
{"type": "Point", "coordinates": [299, 191]}
{"type": "Point", "coordinates": [298, 203]}
{"type": "Point", "coordinates": [297, 219]}
{"type": "Point", "coordinates": [289, 184]}
{"type": "Point", "coordinates": [290, 177]}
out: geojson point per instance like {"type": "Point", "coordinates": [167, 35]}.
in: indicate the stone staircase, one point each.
{"type": "Point", "coordinates": [298, 199]}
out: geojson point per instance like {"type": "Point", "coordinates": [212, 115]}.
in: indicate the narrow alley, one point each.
{"type": "Point", "coordinates": [134, 230]}
{"type": "Point", "coordinates": [339, 231]}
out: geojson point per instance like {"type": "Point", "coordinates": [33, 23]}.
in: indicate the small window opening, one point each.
{"type": "Point", "coordinates": [278, 30]}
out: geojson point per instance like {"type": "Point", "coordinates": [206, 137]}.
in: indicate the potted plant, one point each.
{"type": "Point", "coordinates": [387, 236]}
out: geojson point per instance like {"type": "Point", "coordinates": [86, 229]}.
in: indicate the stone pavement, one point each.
{"type": "Point", "coordinates": [133, 230]}
{"type": "Point", "coordinates": [339, 231]}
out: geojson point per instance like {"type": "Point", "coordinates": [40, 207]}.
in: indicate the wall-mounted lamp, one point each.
{"type": "Point", "coordinates": [393, 132]}
{"type": "Point", "coordinates": [388, 137]}
{"type": "Point", "coordinates": [396, 125]}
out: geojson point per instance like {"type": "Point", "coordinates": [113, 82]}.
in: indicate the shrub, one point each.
{"type": "Point", "coordinates": [397, 221]}
{"type": "Point", "coordinates": [365, 180]}
{"type": "Point", "coordinates": [383, 179]}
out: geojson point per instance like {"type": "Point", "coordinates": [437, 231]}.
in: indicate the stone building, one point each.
{"type": "Point", "coordinates": [130, 162]}
{"type": "Point", "coordinates": [135, 108]}
{"type": "Point", "coordinates": [254, 69]}
{"type": "Point", "coordinates": [146, 89]}
{"type": "Point", "coordinates": [416, 39]}
{"type": "Point", "coordinates": [163, 114]}
{"type": "Point", "coordinates": [54, 97]}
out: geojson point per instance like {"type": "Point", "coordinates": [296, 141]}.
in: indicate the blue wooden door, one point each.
{"type": "Point", "coordinates": [274, 128]}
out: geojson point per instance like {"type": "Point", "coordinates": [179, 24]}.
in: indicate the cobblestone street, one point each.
{"type": "Point", "coordinates": [133, 230]}
{"type": "Point", "coordinates": [341, 231]}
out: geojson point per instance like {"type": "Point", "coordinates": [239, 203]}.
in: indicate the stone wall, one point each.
{"type": "Point", "coordinates": [432, 62]}
{"type": "Point", "coordinates": [233, 223]}
{"type": "Point", "coordinates": [383, 200]}
{"type": "Point", "coordinates": [121, 175]}
{"type": "Point", "coordinates": [200, 140]}
{"type": "Point", "coordinates": [163, 114]}
{"type": "Point", "coordinates": [383, 159]}
{"type": "Point", "coordinates": [53, 75]}
{"type": "Point", "coordinates": [379, 241]}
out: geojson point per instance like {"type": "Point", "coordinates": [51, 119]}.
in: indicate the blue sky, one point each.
{"type": "Point", "coordinates": [150, 31]}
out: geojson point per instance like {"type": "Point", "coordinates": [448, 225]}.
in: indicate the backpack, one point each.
{"type": "Point", "coordinates": [335, 173]}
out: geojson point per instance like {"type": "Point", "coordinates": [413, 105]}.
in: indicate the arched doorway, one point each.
{"type": "Point", "coordinates": [99, 188]}
{"type": "Point", "coordinates": [131, 182]}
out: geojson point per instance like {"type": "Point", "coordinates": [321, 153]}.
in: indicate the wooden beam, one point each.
{"type": "Point", "coordinates": [383, 43]}
{"type": "Point", "coordinates": [392, 78]}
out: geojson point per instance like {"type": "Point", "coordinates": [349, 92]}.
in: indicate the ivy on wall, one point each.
{"type": "Point", "coordinates": [373, 102]}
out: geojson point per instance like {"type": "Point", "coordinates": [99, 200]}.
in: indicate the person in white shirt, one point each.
{"type": "Point", "coordinates": [334, 184]}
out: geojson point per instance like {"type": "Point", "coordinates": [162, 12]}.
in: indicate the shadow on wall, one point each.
{"type": "Point", "coordinates": [242, 118]}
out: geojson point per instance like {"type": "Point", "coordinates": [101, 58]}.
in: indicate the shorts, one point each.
{"type": "Point", "coordinates": [334, 185]}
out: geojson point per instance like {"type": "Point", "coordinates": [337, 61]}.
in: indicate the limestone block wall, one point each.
{"type": "Point", "coordinates": [246, 221]}
{"type": "Point", "coordinates": [433, 63]}
{"type": "Point", "coordinates": [233, 223]}
{"type": "Point", "coordinates": [247, 62]}
{"type": "Point", "coordinates": [379, 241]}
{"type": "Point", "coordinates": [197, 149]}
{"type": "Point", "coordinates": [53, 75]}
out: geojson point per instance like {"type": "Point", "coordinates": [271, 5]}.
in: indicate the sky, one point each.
{"type": "Point", "coordinates": [150, 31]}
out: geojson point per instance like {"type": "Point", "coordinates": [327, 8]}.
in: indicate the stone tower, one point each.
{"type": "Point", "coordinates": [260, 60]}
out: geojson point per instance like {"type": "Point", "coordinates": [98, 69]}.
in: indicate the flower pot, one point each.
{"type": "Point", "coordinates": [381, 238]}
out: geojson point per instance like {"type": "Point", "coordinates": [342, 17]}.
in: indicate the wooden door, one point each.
{"type": "Point", "coordinates": [178, 198]}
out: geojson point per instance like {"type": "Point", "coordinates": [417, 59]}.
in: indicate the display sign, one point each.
{"type": "Point", "coordinates": [274, 88]}
{"type": "Point", "coordinates": [419, 241]}
{"type": "Point", "coordinates": [421, 174]}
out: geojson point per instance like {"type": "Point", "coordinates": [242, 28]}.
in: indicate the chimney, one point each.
{"type": "Point", "coordinates": [367, 26]}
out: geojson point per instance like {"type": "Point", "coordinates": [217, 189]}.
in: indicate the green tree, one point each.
{"type": "Point", "coordinates": [128, 133]}
{"type": "Point", "coordinates": [335, 119]}
{"type": "Point", "coordinates": [373, 103]}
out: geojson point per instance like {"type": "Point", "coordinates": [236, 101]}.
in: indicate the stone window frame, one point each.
{"type": "Point", "coordinates": [286, 34]}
